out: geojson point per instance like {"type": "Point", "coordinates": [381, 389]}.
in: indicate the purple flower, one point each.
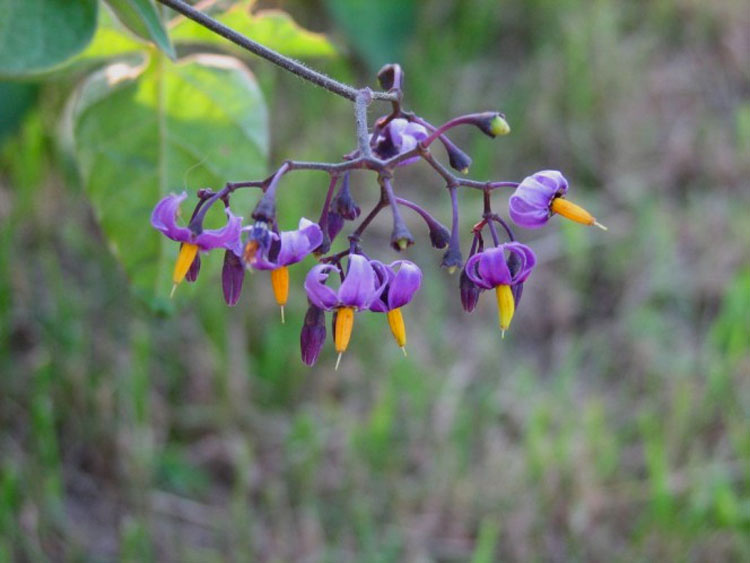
{"type": "Point", "coordinates": [360, 287]}
{"type": "Point", "coordinates": [164, 218]}
{"type": "Point", "coordinates": [490, 268]}
{"type": "Point", "coordinates": [403, 280]}
{"type": "Point", "coordinates": [289, 247]}
{"type": "Point", "coordinates": [399, 136]}
{"type": "Point", "coordinates": [530, 203]}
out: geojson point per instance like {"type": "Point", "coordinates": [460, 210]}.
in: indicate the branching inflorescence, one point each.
{"type": "Point", "coordinates": [397, 139]}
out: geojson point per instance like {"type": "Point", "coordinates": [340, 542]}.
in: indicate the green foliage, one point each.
{"type": "Point", "coordinates": [36, 35]}
{"type": "Point", "coordinates": [379, 31]}
{"type": "Point", "coordinates": [140, 127]}
{"type": "Point", "coordinates": [144, 19]}
{"type": "Point", "coordinates": [272, 28]}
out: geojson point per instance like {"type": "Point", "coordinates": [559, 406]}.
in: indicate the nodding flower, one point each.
{"type": "Point", "coordinates": [404, 279]}
{"type": "Point", "coordinates": [360, 287]}
{"type": "Point", "coordinates": [540, 196]}
{"type": "Point", "coordinates": [503, 268]}
{"type": "Point", "coordinates": [399, 136]}
{"type": "Point", "coordinates": [193, 238]}
{"type": "Point", "coordinates": [284, 249]}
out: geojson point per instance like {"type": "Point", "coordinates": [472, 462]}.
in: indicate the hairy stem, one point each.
{"type": "Point", "coordinates": [288, 64]}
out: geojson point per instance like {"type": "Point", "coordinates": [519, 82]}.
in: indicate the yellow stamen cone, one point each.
{"type": "Point", "coordinates": [506, 306]}
{"type": "Point", "coordinates": [185, 259]}
{"type": "Point", "coordinates": [280, 285]}
{"type": "Point", "coordinates": [574, 212]}
{"type": "Point", "coordinates": [343, 330]}
{"type": "Point", "coordinates": [398, 329]}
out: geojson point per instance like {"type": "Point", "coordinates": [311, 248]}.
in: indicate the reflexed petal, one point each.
{"type": "Point", "coordinates": [232, 276]}
{"type": "Point", "coordinates": [529, 204]}
{"type": "Point", "coordinates": [358, 288]}
{"type": "Point", "coordinates": [383, 275]}
{"type": "Point", "coordinates": [405, 283]}
{"type": "Point", "coordinates": [295, 245]}
{"type": "Point", "coordinates": [471, 271]}
{"type": "Point", "coordinates": [416, 131]}
{"type": "Point", "coordinates": [164, 218]}
{"type": "Point", "coordinates": [226, 237]}
{"type": "Point", "coordinates": [395, 131]}
{"type": "Point", "coordinates": [525, 215]}
{"type": "Point", "coordinates": [319, 294]}
{"type": "Point", "coordinates": [527, 260]}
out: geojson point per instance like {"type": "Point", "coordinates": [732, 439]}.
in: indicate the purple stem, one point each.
{"type": "Point", "coordinates": [429, 219]}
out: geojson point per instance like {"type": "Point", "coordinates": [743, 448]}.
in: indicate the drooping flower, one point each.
{"type": "Point", "coordinates": [284, 249]}
{"type": "Point", "coordinates": [359, 289]}
{"type": "Point", "coordinates": [193, 238]}
{"type": "Point", "coordinates": [404, 279]}
{"type": "Point", "coordinates": [540, 196]}
{"type": "Point", "coordinates": [399, 136]}
{"type": "Point", "coordinates": [502, 268]}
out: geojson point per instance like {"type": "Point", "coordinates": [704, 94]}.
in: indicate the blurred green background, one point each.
{"type": "Point", "coordinates": [612, 422]}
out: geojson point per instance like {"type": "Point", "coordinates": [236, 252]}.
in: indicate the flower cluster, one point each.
{"type": "Point", "coordinates": [346, 282]}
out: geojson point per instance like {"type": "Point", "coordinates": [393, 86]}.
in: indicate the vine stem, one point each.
{"type": "Point", "coordinates": [295, 67]}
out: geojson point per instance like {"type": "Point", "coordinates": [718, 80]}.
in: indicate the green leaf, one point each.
{"type": "Point", "coordinates": [142, 18]}
{"type": "Point", "coordinates": [141, 130]}
{"type": "Point", "coordinates": [110, 40]}
{"type": "Point", "coordinates": [36, 35]}
{"type": "Point", "coordinates": [15, 99]}
{"type": "Point", "coordinates": [379, 31]}
{"type": "Point", "coordinates": [273, 28]}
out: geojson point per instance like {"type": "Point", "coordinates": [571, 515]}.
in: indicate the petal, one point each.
{"type": "Point", "coordinates": [164, 216]}
{"type": "Point", "coordinates": [405, 283]}
{"type": "Point", "coordinates": [526, 257]}
{"type": "Point", "coordinates": [226, 237]}
{"type": "Point", "coordinates": [472, 271]}
{"type": "Point", "coordinates": [493, 268]}
{"type": "Point", "coordinates": [383, 276]}
{"type": "Point", "coordinates": [295, 245]}
{"type": "Point", "coordinates": [320, 294]}
{"type": "Point", "coordinates": [358, 288]}
{"type": "Point", "coordinates": [525, 215]}
{"type": "Point", "coordinates": [396, 132]}
{"type": "Point", "coordinates": [553, 179]}
{"type": "Point", "coordinates": [415, 130]}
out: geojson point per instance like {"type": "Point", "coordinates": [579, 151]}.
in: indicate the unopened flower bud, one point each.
{"type": "Point", "coordinates": [265, 210]}
{"type": "Point", "coordinates": [439, 236]}
{"type": "Point", "coordinates": [401, 238]}
{"type": "Point", "coordinates": [232, 276]}
{"type": "Point", "coordinates": [195, 268]}
{"type": "Point", "coordinates": [313, 334]}
{"type": "Point", "coordinates": [458, 159]}
{"type": "Point", "coordinates": [391, 76]}
{"type": "Point", "coordinates": [324, 246]}
{"type": "Point", "coordinates": [344, 203]}
{"type": "Point", "coordinates": [492, 124]}
{"type": "Point", "coordinates": [335, 224]}
{"type": "Point", "coordinates": [452, 259]}
{"type": "Point", "coordinates": [469, 292]}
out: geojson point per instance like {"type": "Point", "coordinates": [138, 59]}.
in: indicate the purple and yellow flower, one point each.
{"type": "Point", "coordinates": [404, 279]}
{"type": "Point", "coordinates": [360, 287]}
{"type": "Point", "coordinates": [540, 196]}
{"type": "Point", "coordinates": [502, 268]}
{"type": "Point", "coordinates": [193, 238]}
{"type": "Point", "coordinates": [400, 136]}
{"type": "Point", "coordinates": [284, 249]}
